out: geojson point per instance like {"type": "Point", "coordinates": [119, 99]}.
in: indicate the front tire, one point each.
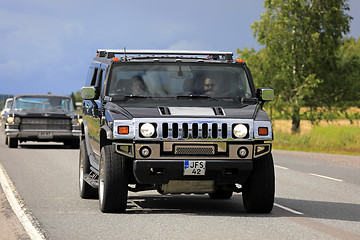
{"type": "Point", "coordinates": [13, 142]}
{"type": "Point", "coordinates": [259, 189]}
{"type": "Point", "coordinates": [113, 181]}
{"type": "Point", "coordinates": [86, 191]}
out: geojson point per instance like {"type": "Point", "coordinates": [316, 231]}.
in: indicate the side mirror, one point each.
{"type": "Point", "coordinates": [265, 94]}
{"type": "Point", "coordinates": [89, 93]}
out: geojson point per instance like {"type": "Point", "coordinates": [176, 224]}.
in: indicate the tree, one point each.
{"type": "Point", "coordinates": [72, 96]}
{"type": "Point", "coordinates": [349, 71]}
{"type": "Point", "coordinates": [76, 97]}
{"type": "Point", "coordinates": [301, 39]}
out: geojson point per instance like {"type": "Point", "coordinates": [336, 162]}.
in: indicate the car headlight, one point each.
{"type": "Point", "coordinates": [10, 119]}
{"type": "Point", "coordinates": [17, 120]}
{"type": "Point", "coordinates": [240, 131]}
{"type": "Point", "coordinates": [74, 121]}
{"type": "Point", "coordinates": [147, 130]}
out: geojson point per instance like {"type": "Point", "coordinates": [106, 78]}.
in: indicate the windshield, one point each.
{"type": "Point", "coordinates": [8, 103]}
{"type": "Point", "coordinates": [44, 103]}
{"type": "Point", "coordinates": [174, 80]}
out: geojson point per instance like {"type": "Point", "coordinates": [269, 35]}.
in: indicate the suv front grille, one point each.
{"type": "Point", "coordinates": [45, 124]}
{"type": "Point", "coordinates": [195, 130]}
{"type": "Point", "coordinates": [192, 129]}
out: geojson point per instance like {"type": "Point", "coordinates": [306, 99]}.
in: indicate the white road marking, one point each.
{"type": "Point", "coordinates": [288, 209]}
{"type": "Point", "coordinates": [330, 178]}
{"type": "Point", "coordinates": [10, 193]}
{"type": "Point", "coordinates": [314, 174]}
{"type": "Point", "coordinates": [281, 167]}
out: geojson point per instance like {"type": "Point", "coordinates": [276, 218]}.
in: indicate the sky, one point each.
{"type": "Point", "coordinates": [47, 46]}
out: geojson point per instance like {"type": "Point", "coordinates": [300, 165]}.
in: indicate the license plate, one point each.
{"type": "Point", "coordinates": [194, 167]}
{"type": "Point", "coordinates": [45, 134]}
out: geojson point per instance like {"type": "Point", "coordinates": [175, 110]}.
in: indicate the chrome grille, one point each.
{"type": "Point", "coordinates": [45, 124]}
{"type": "Point", "coordinates": [194, 150]}
{"type": "Point", "coordinates": [190, 129]}
{"type": "Point", "coordinates": [195, 130]}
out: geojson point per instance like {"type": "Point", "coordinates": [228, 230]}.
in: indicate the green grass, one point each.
{"type": "Point", "coordinates": [328, 139]}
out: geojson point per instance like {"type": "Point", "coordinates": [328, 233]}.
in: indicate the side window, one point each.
{"type": "Point", "coordinates": [89, 76]}
{"type": "Point", "coordinates": [100, 80]}
{"type": "Point", "coordinates": [93, 80]}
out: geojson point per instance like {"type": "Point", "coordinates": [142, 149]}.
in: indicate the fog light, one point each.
{"type": "Point", "coordinates": [243, 152]}
{"type": "Point", "coordinates": [145, 152]}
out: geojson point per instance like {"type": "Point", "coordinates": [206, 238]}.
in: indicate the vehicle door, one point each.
{"type": "Point", "coordinates": [92, 110]}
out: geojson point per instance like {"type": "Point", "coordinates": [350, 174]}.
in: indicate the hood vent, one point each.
{"type": "Point", "coordinates": [218, 111]}
{"type": "Point", "coordinates": [191, 111]}
{"type": "Point", "coordinates": [164, 111]}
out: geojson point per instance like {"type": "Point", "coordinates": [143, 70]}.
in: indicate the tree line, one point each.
{"type": "Point", "coordinates": [76, 97]}
{"type": "Point", "coordinates": [306, 58]}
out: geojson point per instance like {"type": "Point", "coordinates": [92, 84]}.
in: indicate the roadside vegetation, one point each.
{"type": "Point", "coordinates": [314, 69]}
{"type": "Point", "coordinates": [338, 137]}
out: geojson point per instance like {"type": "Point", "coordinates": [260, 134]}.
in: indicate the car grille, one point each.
{"type": "Point", "coordinates": [45, 124]}
{"type": "Point", "coordinates": [192, 129]}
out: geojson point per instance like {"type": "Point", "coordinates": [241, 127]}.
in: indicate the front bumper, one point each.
{"type": "Point", "coordinates": [42, 135]}
{"type": "Point", "coordinates": [220, 171]}
{"type": "Point", "coordinates": [166, 160]}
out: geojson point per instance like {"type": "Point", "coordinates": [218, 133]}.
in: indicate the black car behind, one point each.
{"type": "Point", "coordinates": [42, 118]}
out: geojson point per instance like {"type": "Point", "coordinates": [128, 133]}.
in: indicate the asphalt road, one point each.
{"type": "Point", "coordinates": [317, 197]}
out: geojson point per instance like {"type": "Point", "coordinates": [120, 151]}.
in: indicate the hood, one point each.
{"type": "Point", "coordinates": [244, 112]}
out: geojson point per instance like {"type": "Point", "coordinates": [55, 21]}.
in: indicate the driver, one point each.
{"type": "Point", "coordinates": [209, 86]}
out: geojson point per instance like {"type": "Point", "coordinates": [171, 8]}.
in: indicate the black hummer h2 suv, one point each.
{"type": "Point", "coordinates": [176, 122]}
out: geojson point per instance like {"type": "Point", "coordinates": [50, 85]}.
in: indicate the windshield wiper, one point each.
{"type": "Point", "coordinates": [196, 97]}
{"type": "Point", "coordinates": [249, 100]}
{"type": "Point", "coordinates": [123, 98]}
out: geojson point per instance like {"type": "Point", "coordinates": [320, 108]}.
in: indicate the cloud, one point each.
{"type": "Point", "coordinates": [11, 66]}
{"type": "Point", "coordinates": [189, 45]}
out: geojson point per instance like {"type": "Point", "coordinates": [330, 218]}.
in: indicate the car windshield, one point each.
{"type": "Point", "coordinates": [44, 103]}
{"type": "Point", "coordinates": [8, 103]}
{"type": "Point", "coordinates": [179, 80]}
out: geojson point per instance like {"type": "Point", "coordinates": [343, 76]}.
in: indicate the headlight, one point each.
{"type": "Point", "coordinates": [147, 129]}
{"type": "Point", "coordinates": [240, 131]}
{"type": "Point", "coordinates": [17, 120]}
{"type": "Point", "coordinates": [10, 119]}
{"type": "Point", "coordinates": [76, 121]}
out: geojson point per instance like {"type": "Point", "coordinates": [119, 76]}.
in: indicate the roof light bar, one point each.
{"type": "Point", "coordinates": [112, 52]}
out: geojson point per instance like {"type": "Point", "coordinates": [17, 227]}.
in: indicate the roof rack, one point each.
{"type": "Point", "coordinates": [110, 53]}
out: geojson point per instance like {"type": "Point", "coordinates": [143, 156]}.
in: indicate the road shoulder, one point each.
{"type": "Point", "coordinates": [10, 226]}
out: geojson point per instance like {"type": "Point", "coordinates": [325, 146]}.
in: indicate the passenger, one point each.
{"type": "Point", "coordinates": [138, 86]}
